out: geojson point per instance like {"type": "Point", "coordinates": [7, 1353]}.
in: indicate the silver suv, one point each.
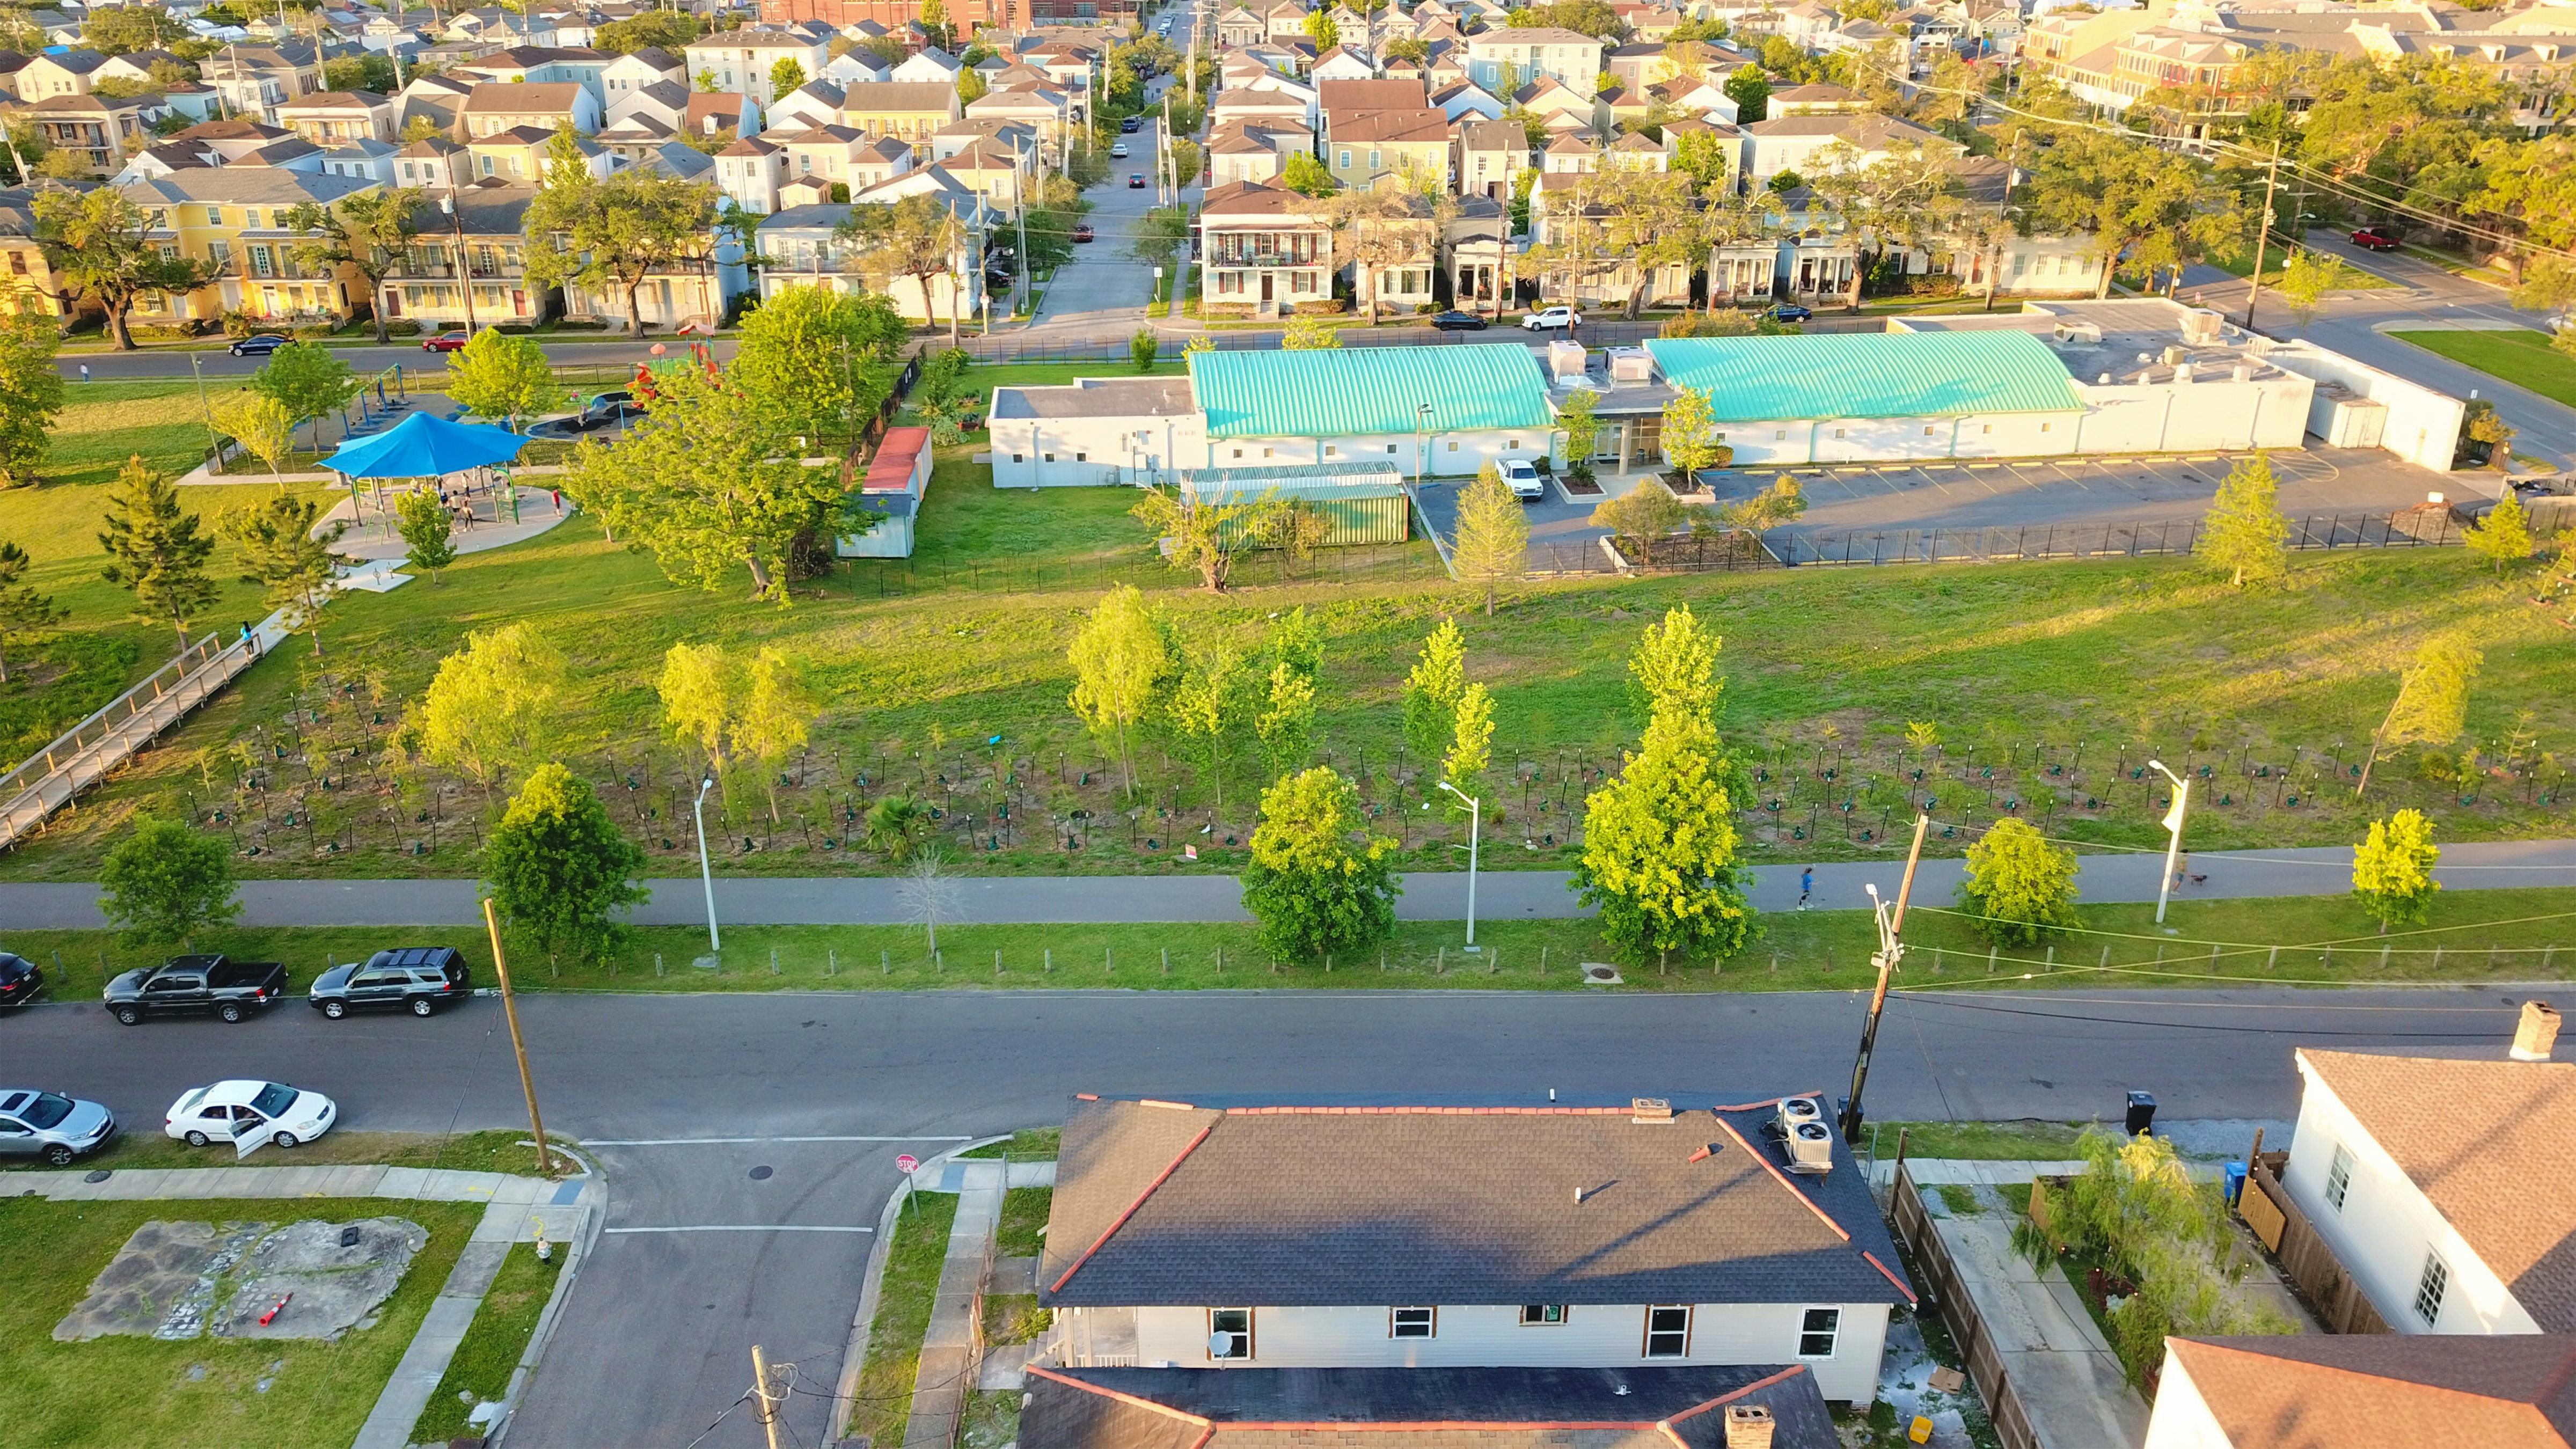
{"type": "Point", "coordinates": [52, 1126]}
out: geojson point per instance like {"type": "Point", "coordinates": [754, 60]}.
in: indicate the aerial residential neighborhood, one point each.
{"type": "Point", "coordinates": [1116, 724]}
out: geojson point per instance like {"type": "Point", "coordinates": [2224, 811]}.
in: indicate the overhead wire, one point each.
{"type": "Point", "coordinates": [2234, 856]}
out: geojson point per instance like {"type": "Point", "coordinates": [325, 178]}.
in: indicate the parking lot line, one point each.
{"type": "Point", "coordinates": [739, 1228]}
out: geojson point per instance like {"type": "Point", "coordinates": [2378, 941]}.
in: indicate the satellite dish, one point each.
{"type": "Point", "coordinates": [1220, 1344]}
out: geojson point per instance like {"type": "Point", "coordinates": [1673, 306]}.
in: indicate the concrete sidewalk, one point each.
{"type": "Point", "coordinates": [948, 1345]}
{"type": "Point", "coordinates": [519, 1208]}
{"type": "Point", "coordinates": [1428, 896]}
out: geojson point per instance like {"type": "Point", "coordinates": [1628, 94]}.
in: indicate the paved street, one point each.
{"type": "Point", "coordinates": [1010, 900]}
{"type": "Point", "coordinates": [1103, 291]}
{"type": "Point", "coordinates": [660, 1325]}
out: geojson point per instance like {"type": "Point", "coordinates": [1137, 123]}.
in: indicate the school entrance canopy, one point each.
{"type": "Point", "coordinates": [422, 446]}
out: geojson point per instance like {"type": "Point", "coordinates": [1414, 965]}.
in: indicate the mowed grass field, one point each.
{"type": "Point", "coordinates": [2520, 357]}
{"type": "Point", "coordinates": [947, 675]}
{"type": "Point", "coordinates": [144, 1393]}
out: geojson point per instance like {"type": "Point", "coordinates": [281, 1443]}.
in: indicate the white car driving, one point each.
{"type": "Point", "coordinates": [1523, 479]}
{"type": "Point", "coordinates": [1551, 319]}
{"type": "Point", "coordinates": [249, 1114]}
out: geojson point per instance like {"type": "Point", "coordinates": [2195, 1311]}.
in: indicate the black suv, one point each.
{"type": "Point", "coordinates": [417, 979]}
{"type": "Point", "coordinates": [19, 980]}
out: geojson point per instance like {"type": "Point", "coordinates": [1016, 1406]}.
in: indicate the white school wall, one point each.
{"type": "Point", "coordinates": [2386, 1225]}
{"type": "Point", "coordinates": [1095, 451]}
{"type": "Point", "coordinates": [1448, 454]}
{"type": "Point", "coordinates": [1486, 1335]}
{"type": "Point", "coordinates": [1863, 440]}
{"type": "Point", "coordinates": [2204, 414]}
{"type": "Point", "coordinates": [2423, 424]}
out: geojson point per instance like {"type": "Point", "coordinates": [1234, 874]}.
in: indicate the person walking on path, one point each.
{"type": "Point", "coordinates": [1806, 886]}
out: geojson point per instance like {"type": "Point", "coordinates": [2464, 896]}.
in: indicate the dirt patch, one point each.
{"type": "Point", "coordinates": [310, 1279]}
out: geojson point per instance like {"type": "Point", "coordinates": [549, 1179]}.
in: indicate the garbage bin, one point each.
{"type": "Point", "coordinates": [2235, 1182]}
{"type": "Point", "coordinates": [2142, 1112]}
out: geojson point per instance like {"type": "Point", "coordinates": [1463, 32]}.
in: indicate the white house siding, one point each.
{"type": "Point", "coordinates": [1094, 452]}
{"type": "Point", "coordinates": [2182, 1418]}
{"type": "Point", "coordinates": [1492, 1335]}
{"type": "Point", "coordinates": [2386, 1225]}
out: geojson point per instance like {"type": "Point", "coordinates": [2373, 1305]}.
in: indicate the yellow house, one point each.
{"type": "Point", "coordinates": [1390, 148]}
{"type": "Point", "coordinates": [906, 110]}
{"type": "Point", "coordinates": [28, 284]}
{"type": "Point", "coordinates": [234, 217]}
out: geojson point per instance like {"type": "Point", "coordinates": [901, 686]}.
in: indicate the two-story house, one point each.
{"type": "Point", "coordinates": [1263, 251]}
{"type": "Point", "coordinates": [234, 218]}
{"type": "Point", "coordinates": [637, 69]}
{"type": "Point", "coordinates": [750, 171]}
{"type": "Point", "coordinates": [99, 129]}
{"type": "Point", "coordinates": [2445, 1188]}
{"type": "Point", "coordinates": [535, 65]}
{"type": "Point", "coordinates": [1490, 155]}
{"type": "Point", "coordinates": [1318, 1271]}
{"type": "Point", "coordinates": [467, 266]}
{"type": "Point", "coordinates": [497, 106]}
{"type": "Point", "coordinates": [747, 60]}
{"type": "Point", "coordinates": [333, 118]}
{"type": "Point", "coordinates": [67, 73]}
{"type": "Point", "coordinates": [1528, 53]}
{"type": "Point", "coordinates": [906, 110]}
{"type": "Point", "coordinates": [1254, 151]}
{"type": "Point", "coordinates": [255, 80]}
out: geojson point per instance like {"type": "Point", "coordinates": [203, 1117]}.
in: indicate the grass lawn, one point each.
{"type": "Point", "coordinates": [2030, 1140]}
{"type": "Point", "coordinates": [1037, 1144]}
{"type": "Point", "coordinates": [2475, 936]}
{"type": "Point", "coordinates": [109, 1393]}
{"type": "Point", "coordinates": [1022, 1232]}
{"type": "Point", "coordinates": [2521, 357]}
{"type": "Point", "coordinates": [903, 1316]}
{"type": "Point", "coordinates": [140, 1144]}
{"type": "Point", "coordinates": [493, 1346]}
{"type": "Point", "coordinates": [992, 1418]}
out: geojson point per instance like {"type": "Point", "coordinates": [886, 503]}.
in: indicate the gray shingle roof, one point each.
{"type": "Point", "coordinates": [1430, 1408]}
{"type": "Point", "coordinates": [1325, 1206]}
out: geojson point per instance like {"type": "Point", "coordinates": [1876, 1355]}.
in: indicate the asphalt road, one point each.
{"type": "Point", "coordinates": [1500, 894]}
{"type": "Point", "coordinates": [367, 360]}
{"type": "Point", "coordinates": [700, 1260]}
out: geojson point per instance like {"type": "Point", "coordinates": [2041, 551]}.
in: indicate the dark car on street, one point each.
{"type": "Point", "coordinates": [449, 341]}
{"type": "Point", "coordinates": [1135, 180]}
{"type": "Point", "coordinates": [2372, 239]}
{"type": "Point", "coordinates": [260, 345]}
{"type": "Point", "coordinates": [417, 979]}
{"type": "Point", "coordinates": [1789, 312]}
{"type": "Point", "coordinates": [1082, 231]}
{"type": "Point", "coordinates": [229, 989]}
{"type": "Point", "coordinates": [1458, 322]}
{"type": "Point", "coordinates": [1129, 126]}
{"type": "Point", "coordinates": [20, 980]}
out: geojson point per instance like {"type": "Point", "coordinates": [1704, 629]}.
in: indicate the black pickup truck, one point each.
{"type": "Point", "coordinates": [230, 989]}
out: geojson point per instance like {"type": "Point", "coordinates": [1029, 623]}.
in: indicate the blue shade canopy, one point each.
{"type": "Point", "coordinates": [422, 446]}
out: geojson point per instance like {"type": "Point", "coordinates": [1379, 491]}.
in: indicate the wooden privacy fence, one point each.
{"type": "Point", "coordinates": [48, 779]}
{"type": "Point", "coordinates": [1945, 1294]}
{"type": "Point", "coordinates": [2304, 1253]}
{"type": "Point", "coordinates": [2405, 528]}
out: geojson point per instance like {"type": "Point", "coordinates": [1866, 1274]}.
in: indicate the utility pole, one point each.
{"type": "Point", "coordinates": [768, 1405]}
{"type": "Point", "coordinates": [1020, 210]}
{"type": "Point", "coordinates": [2173, 824]}
{"type": "Point", "coordinates": [2254, 289]}
{"type": "Point", "coordinates": [1890, 950]}
{"type": "Point", "coordinates": [518, 1047]}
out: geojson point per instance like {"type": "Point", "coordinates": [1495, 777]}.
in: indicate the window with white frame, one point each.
{"type": "Point", "coordinates": [1668, 1331]}
{"type": "Point", "coordinates": [2339, 1177]}
{"type": "Point", "coordinates": [1229, 1333]}
{"type": "Point", "coordinates": [1412, 1322]}
{"type": "Point", "coordinates": [1818, 1331]}
{"type": "Point", "coordinates": [2428, 1289]}
{"type": "Point", "coordinates": [1540, 1315]}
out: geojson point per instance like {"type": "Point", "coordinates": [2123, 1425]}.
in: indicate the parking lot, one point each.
{"type": "Point", "coordinates": [2016, 494]}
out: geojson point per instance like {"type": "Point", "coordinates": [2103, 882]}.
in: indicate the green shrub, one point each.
{"type": "Point", "coordinates": [403, 328]}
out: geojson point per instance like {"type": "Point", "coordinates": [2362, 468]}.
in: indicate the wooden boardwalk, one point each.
{"type": "Point", "coordinates": [49, 779]}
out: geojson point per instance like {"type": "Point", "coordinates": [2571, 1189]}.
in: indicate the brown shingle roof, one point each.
{"type": "Point", "coordinates": [2489, 1143]}
{"type": "Point", "coordinates": [2425, 1391]}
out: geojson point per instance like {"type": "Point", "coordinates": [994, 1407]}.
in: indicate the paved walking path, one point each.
{"type": "Point", "coordinates": [1442, 896]}
{"type": "Point", "coordinates": [518, 1209]}
{"type": "Point", "coordinates": [948, 1346]}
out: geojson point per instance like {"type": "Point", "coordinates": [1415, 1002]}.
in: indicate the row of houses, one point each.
{"type": "Point", "coordinates": [1681, 1271]}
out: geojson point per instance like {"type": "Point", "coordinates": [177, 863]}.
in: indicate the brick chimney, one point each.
{"type": "Point", "coordinates": [2536, 1033]}
{"type": "Point", "coordinates": [1748, 1426]}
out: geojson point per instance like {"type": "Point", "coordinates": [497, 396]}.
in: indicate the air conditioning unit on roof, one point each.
{"type": "Point", "coordinates": [1811, 1148]}
{"type": "Point", "coordinates": [1794, 1110]}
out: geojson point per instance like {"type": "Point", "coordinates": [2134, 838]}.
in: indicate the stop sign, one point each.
{"type": "Point", "coordinates": [907, 1163]}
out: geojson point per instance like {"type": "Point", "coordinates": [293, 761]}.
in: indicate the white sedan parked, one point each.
{"type": "Point", "coordinates": [249, 1114]}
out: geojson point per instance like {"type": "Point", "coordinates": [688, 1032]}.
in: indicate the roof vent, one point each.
{"type": "Point", "coordinates": [2173, 353]}
{"type": "Point", "coordinates": [1650, 1109]}
{"type": "Point", "coordinates": [2104, 380]}
{"type": "Point", "coordinates": [1811, 1148]}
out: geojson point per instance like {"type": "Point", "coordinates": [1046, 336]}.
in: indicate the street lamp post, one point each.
{"type": "Point", "coordinates": [1475, 836]}
{"type": "Point", "coordinates": [706, 873]}
{"type": "Point", "coordinates": [1421, 440]}
{"type": "Point", "coordinates": [2173, 823]}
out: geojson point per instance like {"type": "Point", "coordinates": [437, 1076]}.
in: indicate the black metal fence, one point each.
{"type": "Point", "coordinates": [1011, 349]}
{"type": "Point", "coordinates": [1700, 553]}
{"type": "Point", "coordinates": [2406, 528]}
{"type": "Point", "coordinates": [900, 578]}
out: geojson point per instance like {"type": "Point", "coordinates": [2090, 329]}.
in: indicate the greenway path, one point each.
{"type": "Point", "coordinates": [1090, 900]}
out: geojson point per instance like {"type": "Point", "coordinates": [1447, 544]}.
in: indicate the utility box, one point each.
{"type": "Point", "coordinates": [1565, 359]}
{"type": "Point", "coordinates": [2345, 420]}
